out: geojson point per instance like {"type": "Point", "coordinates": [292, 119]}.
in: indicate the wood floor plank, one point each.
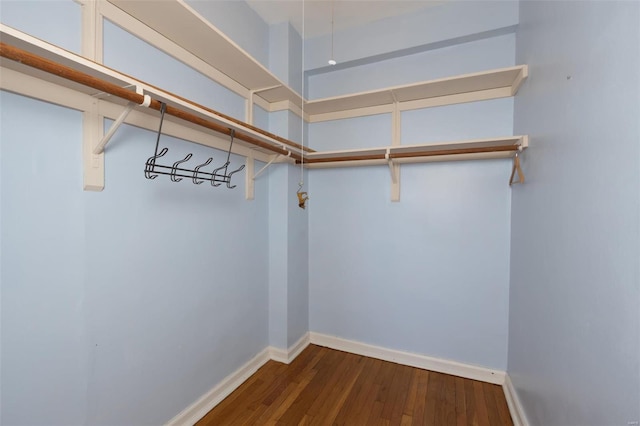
{"type": "Point", "coordinates": [470, 403]}
{"type": "Point", "coordinates": [356, 397]}
{"type": "Point", "coordinates": [449, 402]}
{"type": "Point", "coordinates": [490, 402]}
{"type": "Point", "coordinates": [399, 394]}
{"type": "Point", "coordinates": [503, 408]}
{"type": "Point", "coordinates": [406, 420]}
{"type": "Point", "coordinates": [421, 397]}
{"type": "Point", "coordinates": [410, 401]}
{"type": "Point", "coordinates": [304, 401]}
{"type": "Point", "coordinates": [333, 404]}
{"type": "Point", "coordinates": [376, 411]}
{"type": "Point", "coordinates": [367, 397]}
{"type": "Point", "coordinates": [271, 417]}
{"type": "Point", "coordinates": [461, 407]}
{"type": "Point", "coordinates": [332, 386]}
{"type": "Point", "coordinates": [481, 407]}
{"type": "Point", "coordinates": [327, 387]}
{"type": "Point", "coordinates": [434, 411]}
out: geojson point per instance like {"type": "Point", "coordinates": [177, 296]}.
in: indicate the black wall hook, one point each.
{"type": "Point", "coordinates": [217, 177]}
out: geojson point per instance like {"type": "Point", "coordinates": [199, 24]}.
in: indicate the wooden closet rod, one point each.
{"type": "Point", "coordinates": [43, 64]}
{"type": "Point", "coordinates": [410, 154]}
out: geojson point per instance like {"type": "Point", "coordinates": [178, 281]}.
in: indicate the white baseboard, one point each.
{"type": "Point", "coordinates": [288, 355]}
{"type": "Point", "coordinates": [515, 407]}
{"type": "Point", "coordinates": [197, 410]}
{"type": "Point", "coordinates": [411, 359]}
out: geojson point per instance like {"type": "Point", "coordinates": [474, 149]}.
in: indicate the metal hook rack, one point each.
{"type": "Point", "coordinates": [176, 173]}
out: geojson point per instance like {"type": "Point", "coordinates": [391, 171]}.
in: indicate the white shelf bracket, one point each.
{"type": "Point", "coordinates": [266, 166]}
{"type": "Point", "coordinates": [250, 177]}
{"type": "Point", "coordinates": [394, 170]}
{"type": "Point", "coordinates": [95, 141]}
{"type": "Point", "coordinates": [99, 148]}
{"type": "Point", "coordinates": [249, 102]}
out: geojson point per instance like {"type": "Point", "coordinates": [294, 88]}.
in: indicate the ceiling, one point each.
{"type": "Point", "coordinates": [347, 13]}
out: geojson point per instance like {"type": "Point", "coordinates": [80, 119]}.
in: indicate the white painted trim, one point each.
{"type": "Point", "coordinates": [288, 355]}
{"type": "Point", "coordinates": [440, 365]}
{"type": "Point", "coordinates": [202, 406]}
{"type": "Point", "coordinates": [515, 407]}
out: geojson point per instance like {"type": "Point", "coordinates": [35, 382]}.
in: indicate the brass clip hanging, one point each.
{"type": "Point", "coordinates": [302, 197]}
{"type": "Point", "coordinates": [516, 168]}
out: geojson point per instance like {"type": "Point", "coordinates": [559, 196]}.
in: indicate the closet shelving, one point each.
{"type": "Point", "coordinates": [180, 25]}
{"type": "Point", "coordinates": [492, 84]}
{"type": "Point", "coordinates": [29, 56]}
{"type": "Point", "coordinates": [486, 149]}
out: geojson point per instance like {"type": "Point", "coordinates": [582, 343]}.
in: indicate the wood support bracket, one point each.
{"type": "Point", "coordinates": [516, 169]}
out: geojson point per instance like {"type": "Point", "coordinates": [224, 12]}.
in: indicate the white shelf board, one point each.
{"type": "Point", "coordinates": [178, 22]}
{"type": "Point", "coordinates": [509, 79]}
{"type": "Point", "coordinates": [520, 141]}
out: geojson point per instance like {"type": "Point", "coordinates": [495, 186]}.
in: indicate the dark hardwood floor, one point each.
{"type": "Point", "coordinates": [327, 387]}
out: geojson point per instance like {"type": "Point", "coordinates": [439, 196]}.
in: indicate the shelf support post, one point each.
{"type": "Point", "coordinates": [249, 109]}
{"type": "Point", "coordinates": [92, 121]}
{"type": "Point", "coordinates": [249, 190]}
{"type": "Point", "coordinates": [394, 169]}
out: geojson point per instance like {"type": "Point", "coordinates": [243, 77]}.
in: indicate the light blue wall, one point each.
{"type": "Point", "coordinates": [178, 309]}
{"type": "Point", "coordinates": [429, 274]}
{"type": "Point", "coordinates": [279, 50]}
{"type": "Point", "coordinates": [575, 282]}
{"type": "Point", "coordinates": [288, 259]}
{"type": "Point", "coordinates": [44, 335]}
{"type": "Point", "coordinates": [278, 255]}
{"type": "Point", "coordinates": [57, 21]}
{"type": "Point", "coordinates": [288, 244]}
{"type": "Point", "coordinates": [462, 20]}
{"type": "Point", "coordinates": [285, 54]}
{"type": "Point", "coordinates": [473, 56]}
{"type": "Point", "coordinates": [124, 306]}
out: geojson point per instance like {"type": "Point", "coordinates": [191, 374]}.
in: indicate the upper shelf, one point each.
{"type": "Point", "coordinates": [508, 79]}
{"type": "Point", "coordinates": [180, 23]}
